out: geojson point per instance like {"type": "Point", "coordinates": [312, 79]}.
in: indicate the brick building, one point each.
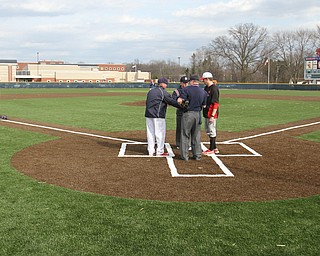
{"type": "Point", "coordinates": [60, 72]}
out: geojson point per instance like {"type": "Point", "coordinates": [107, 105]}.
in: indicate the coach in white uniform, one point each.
{"type": "Point", "coordinates": [156, 108]}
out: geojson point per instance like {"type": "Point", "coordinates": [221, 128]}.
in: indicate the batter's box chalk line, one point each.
{"type": "Point", "coordinates": [170, 160]}
{"type": "Point", "coordinates": [173, 170]}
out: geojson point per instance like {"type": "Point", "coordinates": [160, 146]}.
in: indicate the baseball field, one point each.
{"type": "Point", "coordinates": [76, 178]}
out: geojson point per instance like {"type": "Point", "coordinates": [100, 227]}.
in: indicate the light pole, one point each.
{"type": "Point", "coordinates": [179, 60]}
{"type": "Point", "coordinates": [37, 65]}
{"type": "Point", "coordinates": [269, 72]}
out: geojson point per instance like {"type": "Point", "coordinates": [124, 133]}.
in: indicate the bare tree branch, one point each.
{"type": "Point", "coordinates": [245, 48]}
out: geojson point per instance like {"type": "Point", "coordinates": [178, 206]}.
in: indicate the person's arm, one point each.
{"type": "Point", "coordinates": [213, 109]}
{"type": "Point", "coordinates": [169, 100]}
{"type": "Point", "coordinates": [212, 113]}
{"type": "Point", "coordinates": [175, 94]}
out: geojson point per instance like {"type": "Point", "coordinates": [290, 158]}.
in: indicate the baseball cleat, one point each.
{"type": "Point", "coordinates": [208, 152]}
{"type": "Point", "coordinates": [163, 154]}
{"type": "Point", "coordinates": [4, 117]}
{"type": "Point", "coordinates": [211, 152]}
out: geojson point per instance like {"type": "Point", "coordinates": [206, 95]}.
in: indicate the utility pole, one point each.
{"type": "Point", "coordinates": [37, 65]}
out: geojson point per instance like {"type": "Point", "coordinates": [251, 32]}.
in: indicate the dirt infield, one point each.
{"type": "Point", "coordinates": [288, 167]}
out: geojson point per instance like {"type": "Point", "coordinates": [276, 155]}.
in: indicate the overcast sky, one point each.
{"type": "Point", "coordinates": [120, 31]}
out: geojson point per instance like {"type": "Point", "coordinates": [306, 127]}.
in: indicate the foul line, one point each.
{"type": "Point", "coordinates": [272, 132]}
{"type": "Point", "coordinates": [173, 169]}
{"type": "Point", "coordinates": [69, 131]}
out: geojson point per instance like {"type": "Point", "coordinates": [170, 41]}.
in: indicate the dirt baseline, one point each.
{"type": "Point", "coordinates": [288, 167]}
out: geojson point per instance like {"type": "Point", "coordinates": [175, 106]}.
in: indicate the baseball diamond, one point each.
{"type": "Point", "coordinates": [273, 166]}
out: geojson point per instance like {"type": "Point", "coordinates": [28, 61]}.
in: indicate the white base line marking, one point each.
{"type": "Point", "coordinates": [170, 160]}
{"type": "Point", "coordinates": [172, 167]}
{"type": "Point", "coordinates": [124, 147]}
{"type": "Point", "coordinates": [272, 132]}
{"type": "Point", "coordinates": [175, 174]}
{"type": "Point", "coordinates": [254, 153]}
{"type": "Point", "coordinates": [69, 131]}
{"type": "Point", "coordinates": [122, 150]}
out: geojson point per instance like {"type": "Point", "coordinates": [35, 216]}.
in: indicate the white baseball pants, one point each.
{"type": "Point", "coordinates": [156, 133]}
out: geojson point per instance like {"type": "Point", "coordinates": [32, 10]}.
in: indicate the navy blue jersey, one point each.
{"type": "Point", "coordinates": [196, 96]}
{"type": "Point", "coordinates": [157, 101]}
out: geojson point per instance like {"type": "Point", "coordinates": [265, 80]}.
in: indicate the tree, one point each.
{"type": "Point", "coordinates": [291, 49]}
{"type": "Point", "coordinates": [317, 37]}
{"type": "Point", "coordinates": [160, 68]}
{"type": "Point", "coordinates": [203, 60]}
{"type": "Point", "coordinates": [245, 48]}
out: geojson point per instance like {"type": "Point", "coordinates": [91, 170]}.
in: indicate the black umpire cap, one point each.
{"type": "Point", "coordinates": [184, 79]}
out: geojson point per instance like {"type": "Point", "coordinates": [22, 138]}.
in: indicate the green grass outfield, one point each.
{"type": "Point", "coordinates": [41, 219]}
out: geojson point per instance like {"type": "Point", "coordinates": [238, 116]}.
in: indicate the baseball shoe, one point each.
{"type": "Point", "coordinates": [4, 117]}
{"type": "Point", "coordinates": [163, 154]}
{"type": "Point", "coordinates": [198, 158]}
{"type": "Point", "coordinates": [211, 152]}
{"type": "Point", "coordinates": [208, 152]}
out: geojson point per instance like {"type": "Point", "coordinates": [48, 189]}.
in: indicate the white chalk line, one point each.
{"type": "Point", "coordinates": [122, 152]}
{"type": "Point", "coordinates": [272, 132]}
{"type": "Point", "coordinates": [215, 157]}
{"type": "Point", "coordinates": [252, 151]}
{"type": "Point", "coordinates": [173, 170]}
{"type": "Point", "coordinates": [227, 172]}
{"type": "Point", "coordinates": [170, 160]}
{"type": "Point", "coordinates": [69, 131]}
{"type": "Point", "coordinates": [175, 174]}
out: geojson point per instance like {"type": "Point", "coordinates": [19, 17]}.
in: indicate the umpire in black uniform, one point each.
{"type": "Point", "coordinates": [179, 112]}
{"type": "Point", "coordinates": [191, 120]}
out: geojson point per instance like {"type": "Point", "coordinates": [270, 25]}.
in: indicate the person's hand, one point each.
{"type": "Point", "coordinates": [185, 104]}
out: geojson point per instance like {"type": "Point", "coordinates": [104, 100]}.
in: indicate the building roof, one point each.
{"type": "Point", "coordinates": [8, 61]}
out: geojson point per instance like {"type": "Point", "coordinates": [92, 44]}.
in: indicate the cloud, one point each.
{"type": "Point", "coordinates": [123, 36]}
{"type": "Point", "coordinates": [253, 11]}
{"type": "Point", "coordinates": [212, 10]}
{"type": "Point", "coordinates": [33, 8]}
{"type": "Point", "coordinates": [56, 28]}
{"type": "Point", "coordinates": [123, 30]}
{"type": "Point", "coordinates": [140, 21]}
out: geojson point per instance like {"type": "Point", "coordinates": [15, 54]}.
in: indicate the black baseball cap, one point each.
{"type": "Point", "coordinates": [184, 79]}
{"type": "Point", "coordinates": [163, 80]}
